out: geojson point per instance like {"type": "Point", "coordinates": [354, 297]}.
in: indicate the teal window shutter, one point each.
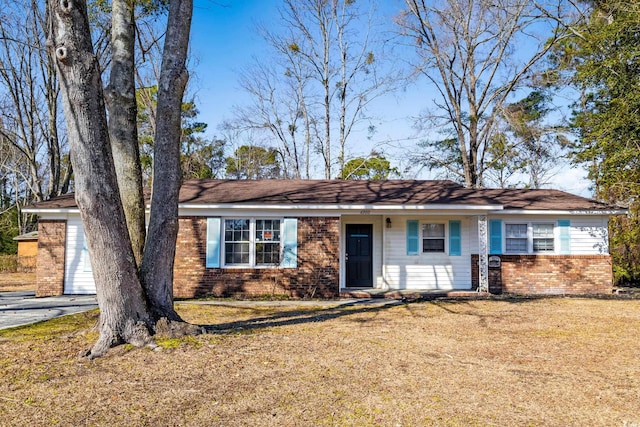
{"type": "Point", "coordinates": [565, 236]}
{"type": "Point", "coordinates": [213, 243]}
{"type": "Point", "coordinates": [413, 237]}
{"type": "Point", "coordinates": [455, 238]}
{"type": "Point", "coordinates": [495, 236]}
{"type": "Point", "coordinates": [290, 243]}
{"type": "Point", "coordinates": [85, 254]}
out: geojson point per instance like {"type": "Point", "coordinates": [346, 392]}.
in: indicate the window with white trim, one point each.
{"type": "Point", "coordinates": [267, 242]}
{"type": "Point", "coordinates": [433, 236]}
{"type": "Point", "coordinates": [516, 237]}
{"type": "Point", "coordinates": [529, 237]}
{"type": "Point", "coordinates": [543, 237]}
{"type": "Point", "coordinates": [252, 242]}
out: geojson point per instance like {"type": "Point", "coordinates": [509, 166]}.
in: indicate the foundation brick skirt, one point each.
{"type": "Point", "coordinates": [549, 274]}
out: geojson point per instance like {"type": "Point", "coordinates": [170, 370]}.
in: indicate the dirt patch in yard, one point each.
{"type": "Point", "coordinates": [542, 362]}
{"type": "Point", "coordinates": [10, 282]}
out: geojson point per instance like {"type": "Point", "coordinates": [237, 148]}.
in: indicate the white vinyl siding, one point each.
{"type": "Point", "coordinates": [78, 278]}
{"type": "Point", "coordinates": [426, 270]}
{"type": "Point", "coordinates": [588, 234]}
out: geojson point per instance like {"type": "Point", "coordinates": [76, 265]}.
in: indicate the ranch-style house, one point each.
{"type": "Point", "coordinates": [326, 238]}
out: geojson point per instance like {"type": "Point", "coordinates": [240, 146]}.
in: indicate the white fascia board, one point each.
{"type": "Point", "coordinates": [605, 212]}
{"type": "Point", "coordinates": [319, 210]}
{"type": "Point", "coordinates": [342, 208]}
{"type": "Point", "coordinates": [255, 212]}
{"type": "Point", "coordinates": [559, 212]}
{"type": "Point", "coordinates": [46, 213]}
{"type": "Point", "coordinates": [58, 215]}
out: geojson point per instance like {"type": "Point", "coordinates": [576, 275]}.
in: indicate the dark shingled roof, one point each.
{"type": "Point", "coordinates": [65, 201]}
{"type": "Point", "coordinates": [338, 192]}
{"type": "Point", "coordinates": [327, 192]}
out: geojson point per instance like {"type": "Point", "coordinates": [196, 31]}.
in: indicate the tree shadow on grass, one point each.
{"type": "Point", "coordinates": [285, 317]}
{"type": "Point", "coordinates": [298, 317]}
{"type": "Point", "coordinates": [314, 314]}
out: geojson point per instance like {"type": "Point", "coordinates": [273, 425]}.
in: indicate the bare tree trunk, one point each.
{"type": "Point", "coordinates": [65, 184]}
{"type": "Point", "coordinates": [307, 135]}
{"type": "Point", "coordinates": [123, 131]}
{"type": "Point", "coordinates": [52, 90]}
{"type": "Point", "coordinates": [123, 313]}
{"type": "Point", "coordinates": [157, 264]}
{"type": "Point", "coordinates": [326, 74]}
{"type": "Point", "coordinates": [344, 83]}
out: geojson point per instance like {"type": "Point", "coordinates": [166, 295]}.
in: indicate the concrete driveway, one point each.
{"type": "Point", "coordinates": [22, 308]}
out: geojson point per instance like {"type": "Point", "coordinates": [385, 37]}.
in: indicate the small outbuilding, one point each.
{"type": "Point", "coordinates": [324, 238]}
{"type": "Point", "coordinates": [27, 250]}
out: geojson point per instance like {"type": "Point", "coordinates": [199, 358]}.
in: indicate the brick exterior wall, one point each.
{"type": "Point", "coordinates": [52, 235]}
{"type": "Point", "coordinates": [317, 273]}
{"type": "Point", "coordinates": [549, 274]}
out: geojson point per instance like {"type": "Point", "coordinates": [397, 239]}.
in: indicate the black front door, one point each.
{"type": "Point", "coordinates": [358, 256]}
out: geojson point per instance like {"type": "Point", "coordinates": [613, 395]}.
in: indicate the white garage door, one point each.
{"type": "Point", "coordinates": [78, 278]}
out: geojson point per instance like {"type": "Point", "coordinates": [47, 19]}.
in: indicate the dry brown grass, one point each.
{"type": "Point", "coordinates": [544, 362]}
{"type": "Point", "coordinates": [17, 282]}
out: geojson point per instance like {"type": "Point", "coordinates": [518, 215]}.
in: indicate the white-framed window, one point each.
{"type": "Point", "coordinates": [543, 238]}
{"type": "Point", "coordinates": [251, 242]}
{"type": "Point", "coordinates": [530, 237]}
{"type": "Point", "coordinates": [516, 239]}
{"type": "Point", "coordinates": [433, 237]}
{"type": "Point", "coordinates": [267, 243]}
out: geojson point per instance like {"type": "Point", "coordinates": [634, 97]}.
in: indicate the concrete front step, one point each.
{"type": "Point", "coordinates": [410, 293]}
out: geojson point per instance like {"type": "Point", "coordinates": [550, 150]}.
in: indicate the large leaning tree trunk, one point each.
{"type": "Point", "coordinates": [123, 311]}
{"type": "Point", "coordinates": [123, 114]}
{"type": "Point", "coordinates": [157, 265]}
{"type": "Point", "coordinates": [131, 310]}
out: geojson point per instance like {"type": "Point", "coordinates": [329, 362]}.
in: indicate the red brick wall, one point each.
{"type": "Point", "coordinates": [550, 274]}
{"type": "Point", "coordinates": [317, 274]}
{"type": "Point", "coordinates": [52, 235]}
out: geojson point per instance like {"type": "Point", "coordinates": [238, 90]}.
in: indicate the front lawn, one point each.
{"type": "Point", "coordinates": [528, 362]}
{"type": "Point", "coordinates": [17, 281]}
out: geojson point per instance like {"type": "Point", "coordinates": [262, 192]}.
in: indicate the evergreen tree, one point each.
{"type": "Point", "coordinates": [602, 61]}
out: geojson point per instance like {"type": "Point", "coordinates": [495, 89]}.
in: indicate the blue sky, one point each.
{"type": "Point", "coordinates": [224, 40]}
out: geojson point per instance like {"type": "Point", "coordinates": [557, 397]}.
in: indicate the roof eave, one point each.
{"type": "Point", "coordinates": [50, 210]}
{"type": "Point", "coordinates": [369, 207]}
{"type": "Point", "coordinates": [489, 209]}
{"type": "Point", "coordinates": [561, 212]}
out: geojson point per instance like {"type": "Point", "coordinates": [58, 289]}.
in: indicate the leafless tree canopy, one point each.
{"type": "Point", "coordinates": [328, 65]}
{"type": "Point", "coordinates": [34, 164]}
{"type": "Point", "coordinates": [475, 53]}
